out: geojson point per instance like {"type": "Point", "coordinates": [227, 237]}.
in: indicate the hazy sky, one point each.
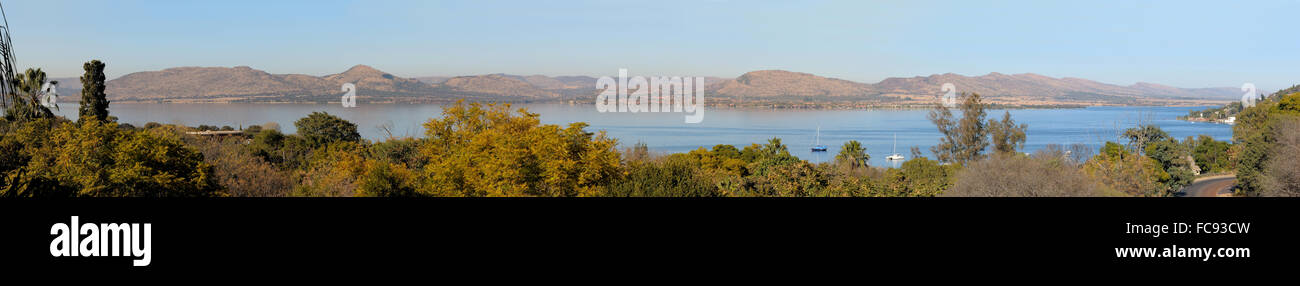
{"type": "Point", "coordinates": [1180, 43]}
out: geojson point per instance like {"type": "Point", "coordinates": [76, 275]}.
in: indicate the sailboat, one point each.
{"type": "Point", "coordinates": [895, 156]}
{"type": "Point", "coordinates": [818, 147]}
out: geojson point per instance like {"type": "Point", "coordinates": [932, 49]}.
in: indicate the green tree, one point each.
{"type": "Point", "coordinates": [1172, 158]}
{"type": "Point", "coordinates": [774, 147]}
{"type": "Point", "coordinates": [321, 128]}
{"type": "Point", "coordinates": [853, 154]}
{"type": "Point", "coordinates": [963, 140]}
{"type": "Point", "coordinates": [1211, 155]}
{"type": "Point", "coordinates": [25, 103]}
{"type": "Point", "coordinates": [1008, 137]}
{"type": "Point", "coordinates": [767, 156]}
{"type": "Point", "coordinates": [1139, 137]}
{"type": "Point", "coordinates": [919, 177]}
{"type": "Point", "coordinates": [94, 103]}
{"type": "Point", "coordinates": [794, 179]}
{"type": "Point", "coordinates": [386, 179]}
{"type": "Point", "coordinates": [674, 176]}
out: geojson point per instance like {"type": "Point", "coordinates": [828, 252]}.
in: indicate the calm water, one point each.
{"type": "Point", "coordinates": [666, 132]}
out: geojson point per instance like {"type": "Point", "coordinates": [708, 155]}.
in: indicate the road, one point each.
{"type": "Point", "coordinates": [1210, 186]}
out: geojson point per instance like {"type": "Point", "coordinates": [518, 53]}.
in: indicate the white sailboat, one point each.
{"type": "Point", "coordinates": [895, 156]}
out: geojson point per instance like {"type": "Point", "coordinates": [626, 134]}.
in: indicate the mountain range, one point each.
{"type": "Point", "coordinates": [245, 84]}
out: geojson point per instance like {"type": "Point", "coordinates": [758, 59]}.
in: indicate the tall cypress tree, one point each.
{"type": "Point", "coordinates": [94, 104]}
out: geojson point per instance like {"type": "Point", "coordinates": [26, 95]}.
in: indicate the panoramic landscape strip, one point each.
{"type": "Point", "coordinates": [486, 149]}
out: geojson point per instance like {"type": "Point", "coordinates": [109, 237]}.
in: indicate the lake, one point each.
{"type": "Point", "coordinates": [667, 133]}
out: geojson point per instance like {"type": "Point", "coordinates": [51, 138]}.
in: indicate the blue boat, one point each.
{"type": "Point", "coordinates": [818, 147]}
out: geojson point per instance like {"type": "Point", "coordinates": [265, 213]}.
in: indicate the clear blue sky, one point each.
{"type": "Point", "coordinates": [1180, 43]}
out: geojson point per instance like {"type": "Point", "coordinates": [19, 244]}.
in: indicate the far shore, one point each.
{"type": "Point", "coordinates": [725, 105]}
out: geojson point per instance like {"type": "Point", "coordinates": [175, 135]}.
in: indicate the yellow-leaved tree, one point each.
{"type": "Point", "coordinates": [489, 150]}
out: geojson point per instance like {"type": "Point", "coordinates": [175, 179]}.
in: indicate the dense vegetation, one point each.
{"type": "Point", "coordinates": [48, 156]}
{"type": "Point", "coordinates": [1269, 134]}
{"type": "Point", "coordinates": [479, 150]}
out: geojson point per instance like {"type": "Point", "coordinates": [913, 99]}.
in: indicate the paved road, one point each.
{"type": "Point", "coordinates": [1210, 186]}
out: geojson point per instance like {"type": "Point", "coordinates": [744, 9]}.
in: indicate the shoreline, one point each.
{"type": "Point", "coordinates": [829, 106]}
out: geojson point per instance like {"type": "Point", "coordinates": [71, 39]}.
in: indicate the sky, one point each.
{"type": "Point", "coordinates": [1178, 43]}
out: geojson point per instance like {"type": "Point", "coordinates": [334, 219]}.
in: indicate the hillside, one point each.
{"type": "Point", "coordinates": [785, 84]}
{"type": "Point", "coordinates": [1019, 89]}
{"type": "Point", "coordinates": [495, 85]}
{"type": "Point", "coordinates": [245, 84]}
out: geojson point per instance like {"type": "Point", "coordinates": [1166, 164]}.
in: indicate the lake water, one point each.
{"type": "Point", "coordinates": [667, 132]}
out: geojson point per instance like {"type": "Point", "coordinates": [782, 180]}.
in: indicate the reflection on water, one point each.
{"type": "Point", "coordinates": [666, 132]}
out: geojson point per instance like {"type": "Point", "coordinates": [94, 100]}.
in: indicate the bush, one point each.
{"type": "Point", "coordinates": [1282, 172]}
{"type": "Point", "coordinates": [243, 173]}
{"type": "Point", "coordinates": [1128, 173]}
{"type": "Point", "coordinates": [674, 176]}
{"type": "Point", "coordinates": [1044, 175]}
{"type": "Point", "coordinates": [320, 129]}
{"type": "Point", "coordinates": [96, 158]}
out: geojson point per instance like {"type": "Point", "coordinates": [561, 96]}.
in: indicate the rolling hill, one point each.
{"type": "Point", "coordinates": [245, 84]}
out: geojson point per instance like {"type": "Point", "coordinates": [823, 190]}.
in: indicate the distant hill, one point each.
{"type": "Point", "coordinates": [368, 78]}
{"type": "Point", "coordinates": [1034, 85]}
{"type": "Point", "coordinates": [220, 83]}
{"type": "Point", "coordinates": [785, 84]}
{"type": "Point", "coordinates": [1016, 89]}
{"type": "Point", "coordinates": [496, 84]}
{"type": "Point", "coordinates": [243, 84]}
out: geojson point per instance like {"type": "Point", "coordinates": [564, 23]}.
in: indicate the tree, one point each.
{"type": "Point", "coordinates": [639, 152]}
{"type": "Point", "coordinates": [963, 140]}
{"type": "Point", "coordinates": [333, 170]}
{"type": "Point", "coordinates": [853, 154]}
{"type": "Point", "coordinates": [674, 176]}
{"type": "Point", "coordinates": [795, 179]}
{"type": "Point", "coordinates": [94, 103]}
{"type": "Point", "coordinates": [1211, 155]}
{"type": "Point", "coordinates": [404, 152]}
{"type": "Point", "coordinates": [1126, 173]}
{"type": "Point", "coordinates": [477, 150]}
{"type": "Point", "coordinates": [1139, 137]}
{"type": "Point", "coordinates": [1007, 136]}
{"type": "Point", "coordinates": [774, 147]}
{"type": "Point", "coordinates": [919, 177]}
{"type": "Point", "coordinates": [1172, 158]}
{"type": "Point", "coordinates": [321, 128]}
{"type": "Point", "coordinates": [385, 179]}
{"type": "Point", "coordinates": [767, 156]}
{"type": "Point", "coordinates": [25, 104]}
